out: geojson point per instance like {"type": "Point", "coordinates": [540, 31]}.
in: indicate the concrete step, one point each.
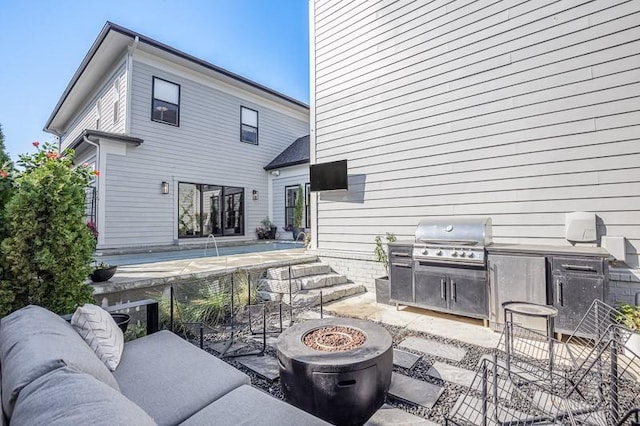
{"type": "Point", "coordinates": [321, 281]}
{"type": "Point", "coordinates": [278, 286]}
{"type": "Point", "coordinates": [329, 294]}
{"type": "Point", "coordinates": [305, 283]}
{"type": "Point", "coordinates": [298, 271]}
{"type": "Point", "coordinates": [312, 297]}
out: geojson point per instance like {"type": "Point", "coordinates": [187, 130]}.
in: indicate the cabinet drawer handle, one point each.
{"type": "Point", "coordinates": [559, 290]}
{"type": "Point", "coordinates": [401, 265]}
{"type": "Point", "coordinates": [443, 288]}
{"type": "Point", "coordinates": [579, 267]}
{"type": "Point", "coordinates": [453, 291]}
{"type": "Point", "coordinates": [400, 254]}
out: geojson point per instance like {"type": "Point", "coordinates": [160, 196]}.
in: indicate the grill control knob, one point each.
{"type": "Point", "coordinates": [471, 254]}
{"type": "Point", "coordinates": [462, 254]}
{"type": "Point", "coordinates": [439, 253]}
{"type": "Point", "coordinates": [454, 253]}
{"type": "Point", "coordinates": [425, 252]}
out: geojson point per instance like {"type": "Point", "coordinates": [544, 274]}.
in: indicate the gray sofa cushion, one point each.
{"type": "Point", "coordinates": [68, 397]}
{"type": "Point", "coordinates": [171, 379]}
{"type": "Point", "coordinates": [247, 405]}
{"type": "Point", "coordinates": [35, 341]}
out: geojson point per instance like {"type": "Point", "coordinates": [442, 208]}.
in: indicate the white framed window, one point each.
{"type": "Point", "coordinates": [248, 125]}
{"type": "Point", "coordinates": [165, 106]}
{"type": "Point", "coordinates": [116, 100]}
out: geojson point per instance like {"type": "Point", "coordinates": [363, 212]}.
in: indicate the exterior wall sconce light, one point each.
{"type": "Point", "coordinates": [255, 195]}
{"type": "Point", "coordinates": [275, 173]}
{"type": "Point", "coordinates": [164, 187]}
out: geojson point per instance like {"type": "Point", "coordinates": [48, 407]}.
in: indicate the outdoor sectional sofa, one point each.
{"type": "Point", "coordinates": [49, 375]}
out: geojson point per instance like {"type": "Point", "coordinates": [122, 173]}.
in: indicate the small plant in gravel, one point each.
{"type": "Point", "coordinates": [47, 253]}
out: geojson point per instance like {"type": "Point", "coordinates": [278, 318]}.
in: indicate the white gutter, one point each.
{"type": "Point", "coordinates": [127, 120]}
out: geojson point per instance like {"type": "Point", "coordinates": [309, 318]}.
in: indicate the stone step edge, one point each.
{"type": "Point", "coordinates": [297, 284]}
{"type": "Point", "coordinates": [296, 268]}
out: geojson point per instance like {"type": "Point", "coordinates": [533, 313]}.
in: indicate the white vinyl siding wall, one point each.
{"type": "Point", "coordinates": [518, 110]}
{"type": "Point", "coordinates": [205, 149]}
{"type": "Point", "coordinates": [289, 176]}
{"type": "Point", "coordinates": [105, 95]}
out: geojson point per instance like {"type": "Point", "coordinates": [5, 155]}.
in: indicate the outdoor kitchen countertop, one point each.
{"type": "Point", "coordinates": [547, 249]}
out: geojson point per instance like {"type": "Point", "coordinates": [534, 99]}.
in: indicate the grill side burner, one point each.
{"type": "Point", "coordinates": [448, 267]}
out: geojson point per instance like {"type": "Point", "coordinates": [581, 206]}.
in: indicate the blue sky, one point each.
{"type": "Point", "coordinates": [43, 42]}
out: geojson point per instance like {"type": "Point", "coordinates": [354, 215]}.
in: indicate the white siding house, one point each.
{"type": "Point", "coordinates": [518, 110]}
{"type": "Point", "coordinates": [289, 174]}
{"type": "Point", "coordinates": [180, 144]}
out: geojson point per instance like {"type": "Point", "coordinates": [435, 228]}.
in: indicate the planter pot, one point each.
{"type": "Point", "coordinates": [122, 320]}
{"type": "Point", "coordinates": [271, 233]}
{"type": "Point", "coordinates": [382, 290]}
{"type": "Point", "coordinates": [101, 275]}
{"type": "Point", "coordinates": [296, 233]}
{"type": "Point", "coordinates": [632, 347]}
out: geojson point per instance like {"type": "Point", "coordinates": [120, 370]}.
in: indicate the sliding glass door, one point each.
{"type": "Point", "coordinates": [209, 209]}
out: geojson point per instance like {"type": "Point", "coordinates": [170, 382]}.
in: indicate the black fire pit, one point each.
{"type": "Point", "coordinates": [338, 369]}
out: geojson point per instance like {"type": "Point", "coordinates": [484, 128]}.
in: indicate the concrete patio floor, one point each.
{"type": "Point", "coordinates": [466, 330]}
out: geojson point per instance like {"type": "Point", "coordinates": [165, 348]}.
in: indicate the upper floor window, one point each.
{"type": "Point", "coordinates": [248, 125]}
{"type": "Point", "coordinates": [165, 107]}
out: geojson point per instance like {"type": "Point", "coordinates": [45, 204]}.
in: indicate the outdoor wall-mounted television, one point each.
{"type": "Point", "coordinates": [328, 176]}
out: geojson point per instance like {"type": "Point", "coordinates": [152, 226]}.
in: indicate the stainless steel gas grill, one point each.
{"type": "Point", "coordinates": [448, 262]}
{"type": "Point", "coordinates": [457, 240]}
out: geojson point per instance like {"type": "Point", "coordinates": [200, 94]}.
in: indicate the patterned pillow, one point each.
{"type": "Point", "coordinates": [99, 330]}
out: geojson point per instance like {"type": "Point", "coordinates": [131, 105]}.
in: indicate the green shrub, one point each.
{"type": "Point", "coordinates": [48, 251]}
{"type": "Point", "coordinates": [6, 191]}
{"type": "Point", "coordinates": [630, 316]}
{"type": "Point", "coordinates": [299, 209]}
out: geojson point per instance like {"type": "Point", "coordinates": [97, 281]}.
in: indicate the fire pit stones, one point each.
{"type": "Point", "coordinates": [343, 387]}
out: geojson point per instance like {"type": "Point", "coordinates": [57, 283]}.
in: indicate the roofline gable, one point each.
{"type": "Point", "coordinates": [111, 27]}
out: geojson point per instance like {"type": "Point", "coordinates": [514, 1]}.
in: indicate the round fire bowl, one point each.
{"type": "Point", "coordinates": [343, 387]}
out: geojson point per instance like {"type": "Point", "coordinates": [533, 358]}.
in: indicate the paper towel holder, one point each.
{"type": "Point", "coordinates": [580, 227]}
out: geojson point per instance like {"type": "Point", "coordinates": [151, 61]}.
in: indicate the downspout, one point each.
{"type": "Point", "coordinates": [127, 119]}
{"type": "Point", "coordinates": [98, 218]}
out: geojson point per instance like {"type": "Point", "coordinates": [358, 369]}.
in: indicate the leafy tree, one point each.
{"type": "Point", "coordinates": [48, 252]}
{"type": "Point", "coordinates": [5, 160]}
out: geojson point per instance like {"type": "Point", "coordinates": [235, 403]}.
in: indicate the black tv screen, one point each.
{"type": "Point", "coordinates": [328, 176]}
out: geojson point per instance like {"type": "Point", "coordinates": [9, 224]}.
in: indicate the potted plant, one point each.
{"type": "Point", "coordinates": [381, 256]}
{"type": "Point", "coordinates": [297, 215]}
{"type": "Point", "coordinates": [630, 317]}
{"type": "Point", "coordinates": [103, 272]}
{"type": "Point", "coordinates": [260, 232]}
{"type": "Point", "coordinates": [270, 228]}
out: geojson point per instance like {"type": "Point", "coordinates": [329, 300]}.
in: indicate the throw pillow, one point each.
{"type": "Point", "coordinates": [99, 330]}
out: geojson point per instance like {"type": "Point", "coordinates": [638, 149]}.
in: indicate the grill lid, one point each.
{"type": "Point", "coordinates": [458, 231]}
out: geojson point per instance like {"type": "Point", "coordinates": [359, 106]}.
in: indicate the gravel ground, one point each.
{"type": "Point", "coordinates": [451, 392]}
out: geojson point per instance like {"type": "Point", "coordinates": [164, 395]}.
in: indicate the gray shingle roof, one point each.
{"type": "Point", "coordinates": [296, 153]}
